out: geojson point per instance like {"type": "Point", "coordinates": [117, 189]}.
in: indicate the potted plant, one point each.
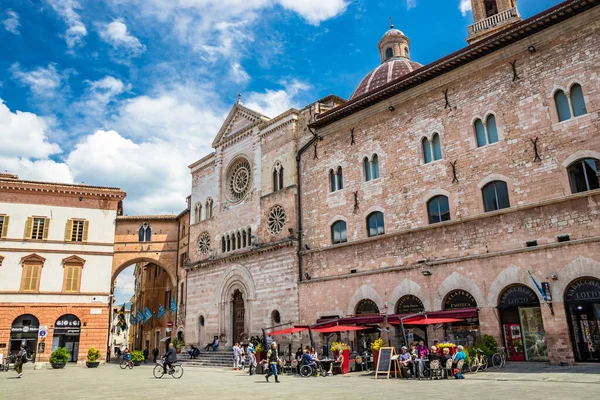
{"type": "Point", "coordinates": [137, 357]}
{"type": "Point", "coordinates": [59, 358]}
{"type": "Point", "coordinates": [178, 344]}
{"type": "Point", "coordinates": [92, 358]}
{"type": "Point", "coordinates": [375, 346]}
{"type": "Point", "coordinates": [259, 353]}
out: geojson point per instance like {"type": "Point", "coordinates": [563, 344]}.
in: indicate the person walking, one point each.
{"type": "Point", "coordinates": [146, 351]}
{"type": "Point", "coordinates": [236, 356]}
{"type": "Point", "coordinates": [273, 359]}
{"type": "Point", "coordinates": [21, 359]}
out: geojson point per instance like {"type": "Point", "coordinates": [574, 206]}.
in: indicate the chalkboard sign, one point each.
{"type": "Point", "coordinates": [386, 361]}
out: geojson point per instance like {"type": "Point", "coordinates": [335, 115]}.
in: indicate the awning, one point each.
{"type": "Point", "coordinates": [356, 320]}
{"type": "Point", "coordinates": [165, 339]}
{"type": "Point", "coordinates": [340, 328]}
{"type": "Point", "coordinates": [288, 331]}
{"type": "Point", "coordinates": [454, 315]}
{"type": "Point", "coordinates": [428, 321]}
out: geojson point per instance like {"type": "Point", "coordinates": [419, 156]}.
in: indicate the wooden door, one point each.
{"type": "Point", "coordinates": [238, 316]}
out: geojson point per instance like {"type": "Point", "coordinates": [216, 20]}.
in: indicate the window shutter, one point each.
{"type": "Point", "coordinates": [46, 227]}
{"type": "Point", "coordinates": [35, 276]}
{"type": "Point", "coordinates": [5, 226]}
{"type": "Point", "coordinates": [69, 230]}
{"type": "Point", "coordinates": [85, 230]}
{"type": "Point", "coordinates": [75, 279]}
{"type": "Point", "coordinates": [28, 228]}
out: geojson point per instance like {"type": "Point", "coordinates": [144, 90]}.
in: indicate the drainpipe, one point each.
{"type": "Point", "coordinates": [176, 277]}
{"type": "Point", "coordinates": [299, 203]}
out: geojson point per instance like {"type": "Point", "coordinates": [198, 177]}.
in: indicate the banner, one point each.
{"type": "Point", "coordinates": [539, 288]}
{"type": "Point", "coordinates": [140, 316]}
{"type": "Point", "coordinates": [132, 319]}
{"type": "Point", "coordinates": [121, 318]}
{"type": "Point", "coordinates": [173, 305]}
{"type": "Point", "coordinates": [161, 311]}
{"type": "Point", "coordinates": [147, 314]}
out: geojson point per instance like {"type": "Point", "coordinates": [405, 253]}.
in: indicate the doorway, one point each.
{"type": "Point", "coordinates": [24, 331]}
{"type": "Point", "coordinates": [366, 337]}
{"type": "Point", "coordinates": [238, 313]}
{"type": "Point", "coordinates": [582, 301]}
{"type": "Point", "coordinates": [66, 334]}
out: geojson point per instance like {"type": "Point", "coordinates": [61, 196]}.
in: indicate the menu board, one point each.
{"type": "Point", "coordinates": [386, 362]}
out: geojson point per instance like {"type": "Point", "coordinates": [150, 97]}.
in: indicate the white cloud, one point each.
{"type": "Point", "coordinates": [125, 286]}
{"type": "Point", "coordinates": [12, 23]}
{"type": "Point", "coordinates": [273, 102]}
{"type": "Point", "coordinates": [99, 94]}
{"type": "Point", "coordinates": [410, 4]}
{"type": "Point", "coordinates": [37, 170]}
{"type": "Point", "coordinates": [76, 30]}
{"type": "Point", "coordinates": [465, 7]}
{"type": "Point", "coordinates": [23, 134]}
{"type": "Point", "coordinates": [42, 81]}
{"type": "Point", "coordinates": [316, 11]}
{"type": "Point", "coordinates": [116, 34]}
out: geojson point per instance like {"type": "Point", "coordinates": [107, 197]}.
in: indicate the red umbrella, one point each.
{"type": "Point", "coordinates": [340, 328]}
{"type": "Point", "coordinates": [287, 331]}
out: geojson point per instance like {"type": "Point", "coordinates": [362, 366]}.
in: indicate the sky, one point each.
{"type": "Point", "coordinates": [128, 93]}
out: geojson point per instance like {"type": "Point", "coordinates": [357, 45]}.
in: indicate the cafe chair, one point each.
{"type": "Point", "coordinates": [447, 369]}
{"type": "Point", "coordinates": [338, 367]}
{"type": "Point", "coordinates": [434, 369]}
{"type": "Point", "coordinates": [294, 366]}
{"type": "Point", "coordinates": [358, 362]}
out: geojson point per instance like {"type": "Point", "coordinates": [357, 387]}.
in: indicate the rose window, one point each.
{"type": "Point", "coordinates": [204, 243]}
{"type": "Point", "coordinates": [276, 220]}
{"type": "Point", "coordinates": [238, 180]}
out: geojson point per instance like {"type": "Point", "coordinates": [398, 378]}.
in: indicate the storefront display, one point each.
{"type": "Point", "coordinates": [66, 334]}
{"type": "Point", "coordinates": [582, 301]}
{"type": "Point", "coordinates": [24, 331]}
{"type": "Point", "coordinates": [410, 304]}
{"type": "Point", "coordinates": [366, 337]}
{"type": "Point", "coordinates": [522, 325]}
{"type": "Point", "coordinates": [464, 332]}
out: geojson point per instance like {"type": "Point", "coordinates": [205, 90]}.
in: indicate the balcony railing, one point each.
{"type": "Point", "coordinates": [494, 20]}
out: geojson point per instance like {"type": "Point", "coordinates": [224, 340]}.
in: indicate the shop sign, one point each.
{"type": "Point", "coordinates": [586, 289]}
{"type": "Point", "coordinates": [24, 329]}
{"type": "Point", "coordinates": [409, 304]}
{"type": "Point", "coordinates": [459, 299]}
{"type": "Point", "coordinates": [43, 331]}
{"type": "Point", "coordinates": [367, 307]}
{"type": "Point", "coordinates": [518, 295]}
{"type": "Point", "coordinates": [67, 325]}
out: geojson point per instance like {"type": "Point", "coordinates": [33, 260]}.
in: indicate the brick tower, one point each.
{"type": "Point", "coordinates": [489, 16]}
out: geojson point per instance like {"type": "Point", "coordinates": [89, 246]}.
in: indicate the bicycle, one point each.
{"type": "Point", "coordinates": [6, 364]}
{"type": "Point", "coordinates": [126, 363]}
{"type": "Point", "coordinates": [480, 361]}
{"type": "Point", "coordinates": [499, 358]}
{"type": "Point", "coordinates": [312, 370]}
{"type": "Point", "coordinates": [176, 370]}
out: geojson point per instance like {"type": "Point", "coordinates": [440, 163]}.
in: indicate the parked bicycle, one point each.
{"type": "Point", "coordinates": [499, 358]}
{"type": "Point", "coordinates": [126, 363]}
{"type": "Point", "coordinates": [479, 361]}
{"type": "Point", "coordinates": [159, 370]}
{"type": "Point", "coordinates": [6, 363]}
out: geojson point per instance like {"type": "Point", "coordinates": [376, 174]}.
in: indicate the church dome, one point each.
{"type": "Point", "coordinates": [394, 50]}
{"type": "Point", "coordinates": [385, 73]}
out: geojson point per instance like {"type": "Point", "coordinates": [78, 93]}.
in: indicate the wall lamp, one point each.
{"type": "Point", "coordinates": [391, 108]}
{"type": "Point", "coordinates": [426, 272]}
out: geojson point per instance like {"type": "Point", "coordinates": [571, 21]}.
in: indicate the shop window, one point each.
{"type": "Point", "coordinates": [464, 332]}
{"type": "Point", "coordinates": [583, 175]}
{"type": "Point", "coordinates": [145, 233]}
{"type": "Point", "coordinates": [375, 225]}
{"type": "Point", "coordinates": [36, 228]}
{"type": "Point", "coordinates": [338, 232]}
{"type": "Point", "coordinates": [495, 196]}
{"type": "Point", "coordinates": [438, 209]}
{"type": "Point", "coordinates": [76, 230]}
{"type": "Point", "coordinates": [4, 225]}
{"type": "Point", "coordinates": [582, 302]}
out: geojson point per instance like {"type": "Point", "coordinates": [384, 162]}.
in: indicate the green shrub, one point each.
{"type": "Point", "coordinates": [60, 356]}
{"type": "Point", "coordinates": [137, 355]}
{"type": "Point", "coordinates": [93, 355]}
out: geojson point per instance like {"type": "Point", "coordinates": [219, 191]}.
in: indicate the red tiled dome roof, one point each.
{"type": "Point", "coordinates": [386, 72]}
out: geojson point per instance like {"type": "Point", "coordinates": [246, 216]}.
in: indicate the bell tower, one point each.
{"type": "Point", "coordinates": [490, 16]}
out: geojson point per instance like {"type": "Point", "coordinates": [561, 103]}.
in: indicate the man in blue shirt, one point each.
{"type": "Point", "coordinates": [307, 359]}
{"type": "Point", "coordinates": [459, 355]}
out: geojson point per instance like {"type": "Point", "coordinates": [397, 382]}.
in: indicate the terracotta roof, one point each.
{"type": "Point", "coordinates": [169, 217]}
{"type": "Point", "coordinates": [8, 183]}
{"type": "Point", "coordinates": [499, 40]}
{"type": "Point", "coordinates": [390, 70]}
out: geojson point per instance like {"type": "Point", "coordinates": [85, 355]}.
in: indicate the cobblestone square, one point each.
{"type": "Point", "coordinates": [110, 382]}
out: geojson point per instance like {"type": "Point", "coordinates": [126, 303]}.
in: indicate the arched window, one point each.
{"type": "Point", "coordinates": [406, 52]}
{"type": "Point", "coordinates": [562, 105]}
{"type": "Point", "coordinates": [223, 244]}
{"type": "Point", "coordinates": [375, 225]}
{"type": "Point", "coordinates": [198, 212]}
{"type": "Point", "coordinates": [436, 146]}
{"type": "Point", "coordinates": [577, 101]}
{"type": "Point", "coordinates": [338, 232]}
{"type": "Point", "coordinates": [277, 177]}
{"type": "Point", "coordinates": [389, 53]}
{"type": "Point", "coordinates": [438, 209]}
{"type": "Point", "coordinates": [426, 150]}
{"type": "Point", "coordinates": [244, 239]}
{"type": "Point", "coordinates": [375, 166]}
{"type": "Point", "coordinates": [488, 133]}
{"type": "Point", "coordinates": [491, 8]}
{"type": "Point", "coordinates": [209, 208]}
{"type": "Point", "coordinates": [367, 169]}
{"type": "Point", "coordinates": [495, 196]}
{"type": "Point", "coordinates": [340, 179]}
{"type": "Point", "coordinates": [145, 233]}
{"type": "Point", "coordinates": [239, 240]}
{"type": "Point", "coordinates": [332, 185]}
{"type": "Point", "coordinates": [249, 236]}
{"type": "Point", "coordinates": [583, 175]}
{"type": "Point", "coordinates": [228, 243]}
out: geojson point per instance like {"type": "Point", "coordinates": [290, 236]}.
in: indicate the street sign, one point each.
{"type": "Point", "coordinates": [170, 324]}
{"type": "Point", "coordinates": [43, 331]}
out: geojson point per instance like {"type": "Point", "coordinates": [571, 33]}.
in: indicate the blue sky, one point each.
{"type": "Point", "coordinates": [128, 93]}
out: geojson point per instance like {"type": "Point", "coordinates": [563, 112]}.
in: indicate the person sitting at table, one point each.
{"type": "Point", "coordinates": [422, 350]}
{"type": "Point", "coordinates": [445, 357]}
{"type": "Point", "coordinates": [338, 361]}
{"type": "Point", "coordinates": [308, 359]}
{"type": "Point", "coordinates": [433, 354]}
{"type": "Point", "coordinates": [405, 360]}
{"type": "Point", "coordinates": [313, 352]}
{"type": "Point", "coordinates": [299, 353]}
{"type": "Point", "coordinates": [459, 355]}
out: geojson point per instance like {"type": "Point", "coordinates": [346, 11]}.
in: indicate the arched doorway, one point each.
{"type": "Point", "coordinates": [201, 333]}
{"type": "Point", "coordinates": [582, 301]}
{"type": "Point", "coordinates": [410, 304]}
{"type": "Point", "coordinates": [67, 329]}
{"type": "Point", "coordinates": [368, 336]}
{"type": "Point", "coordinates": [464, 332]}
{"type": "Point", "coordinates": [238, 315]}
{"type": "Point", "coordinates": [522, 325]}
{"type": "Point", "coordinates": [24, 331]}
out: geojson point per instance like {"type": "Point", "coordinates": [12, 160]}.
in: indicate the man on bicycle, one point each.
{"type": "Point", "coordinates": [169, 358]}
